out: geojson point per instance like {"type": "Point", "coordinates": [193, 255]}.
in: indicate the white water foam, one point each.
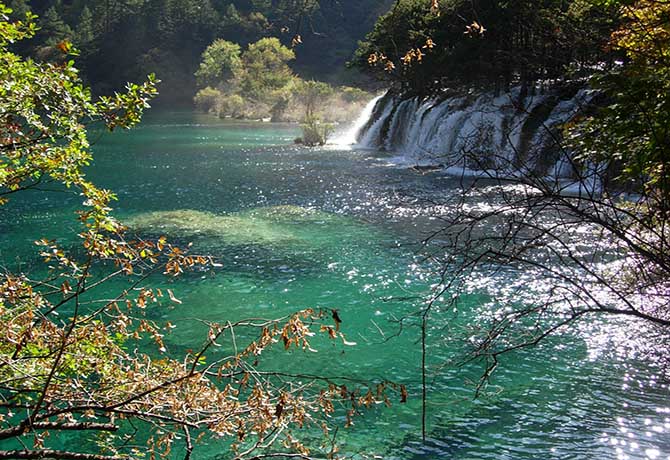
{"type": "Point", "coordinates": [500, 130]}
{"type": "Point", "coordinates": [349, 137]}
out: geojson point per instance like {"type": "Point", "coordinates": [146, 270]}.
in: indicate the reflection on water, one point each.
{"type": "Point", "coordinates": [297, 228]}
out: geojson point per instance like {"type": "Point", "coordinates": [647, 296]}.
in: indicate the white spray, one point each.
{"type": "Point", "coordinates": [350, 136]}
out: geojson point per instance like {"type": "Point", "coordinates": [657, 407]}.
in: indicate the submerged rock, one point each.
{"type": "Point", "coordinates": [289, 214]}
{"type": "Point", "coordinates": [188, 223]}
{"type": "Point", "coordinates": [267, 225]}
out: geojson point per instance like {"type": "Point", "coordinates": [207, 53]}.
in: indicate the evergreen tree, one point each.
{"type": "Point", "coordinates": [266, 68]}
{"type": "Point", "coordinates": [85, 34]}
{"type": "Point", "coordinates": [19, 9]}
{"type": "Point", "coordinates": [52, 28]}
{"type": "Point", "coordinates": [115, 36]}
{"type": "Point", "coordinates": [489, 42]}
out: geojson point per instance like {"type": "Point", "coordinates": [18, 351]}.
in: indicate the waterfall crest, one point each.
{"type": "Point", "coordinates": [350, 136]}
{"type": "Point", "coordinates": [510, 129]}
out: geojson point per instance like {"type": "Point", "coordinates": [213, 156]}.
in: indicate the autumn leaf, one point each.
{"type": "Point", "coordinates": [474, 29]}
{"type": "Point", "coordinates": [64, 46]}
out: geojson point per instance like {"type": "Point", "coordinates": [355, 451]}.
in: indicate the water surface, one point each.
{"type": "Point", "coordinates": [337, 228]}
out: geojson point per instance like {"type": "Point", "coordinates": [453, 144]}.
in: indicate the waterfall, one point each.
{"type": "Point", "coordinates": [475, 130]}
{"type": "Point", "coordinates": [369, 137]}
{"type": "Point", "coordinates": [350, 136]}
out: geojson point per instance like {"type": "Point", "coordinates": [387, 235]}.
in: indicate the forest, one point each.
{"type": "Point", "coordinates": [488, 43]}
{"type": "Point", "coordinates": [121, 41]}
{"type": "Point", "coordinates": [315, 229]}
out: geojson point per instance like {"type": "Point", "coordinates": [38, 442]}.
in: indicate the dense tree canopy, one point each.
{"type": "Point", "coordinates": [122, 41]}
{"type": "Point", "coordinates": [631, 132]}
{"type": "Point", "coordinates": [255, 82]}
{"type": "Point", "coordinates": [487, 42]}
{"type": "Point", "coordinates": [258, 83]}
{"type": "Point", "coordinates": [266, 67]}
{"type": "Point", "coordinates": [220, 62]}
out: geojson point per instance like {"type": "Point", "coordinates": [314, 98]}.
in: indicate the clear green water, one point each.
{"type": "Point", "coordinates": [297, 228]}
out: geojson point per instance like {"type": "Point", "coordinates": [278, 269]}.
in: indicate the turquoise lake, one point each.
{"type": "Point", "coordinates": [297, 228]}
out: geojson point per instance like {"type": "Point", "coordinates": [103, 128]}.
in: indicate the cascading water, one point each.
{"type": "Point", "coordinates": [372, 127]}
{"type": "Point", "coordinates": [508, 129]}
{"type": "Point", "coordinates": [350, 136]}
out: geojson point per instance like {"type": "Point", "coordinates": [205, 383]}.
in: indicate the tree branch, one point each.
{"type": "Point", "coordinates": [53, 454]}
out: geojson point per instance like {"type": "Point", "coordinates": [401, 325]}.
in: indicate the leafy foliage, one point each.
{"type": "Point", "coordinates": [426, 46]}
{"type": "Point", "coordinates": [259, 84]}
{"type": "Point", "coordinates": [220, 62]}
{"type": "Point", "coordinates": [207, 99]}
{"type": "Point", "coordinates": [314, 132]}
{"type": "Point", "coordinates": [631, 132]}
{"type": "Point", "coordinates": [122, 41]}
{"type": "Point", "coordinates": [313, 94]}
{"type": "Point", "coordinates": [266, 68]}
{"type": "Point", "coordinates": [260, 76]}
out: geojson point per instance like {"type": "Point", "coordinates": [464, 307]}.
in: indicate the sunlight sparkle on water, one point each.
{"type": "Point", "coordinates": [585, 393]}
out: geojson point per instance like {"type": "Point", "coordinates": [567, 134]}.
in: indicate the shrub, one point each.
{"type": "Point", "coordinates": [314, 132]}
{"type": "Point", "coordinates": [207, 99]}
{"type": "Point", "coordinates": [230, 105]}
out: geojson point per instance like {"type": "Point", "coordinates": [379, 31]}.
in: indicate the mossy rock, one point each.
{"type": "Point", "coordinates": [267, 225]}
